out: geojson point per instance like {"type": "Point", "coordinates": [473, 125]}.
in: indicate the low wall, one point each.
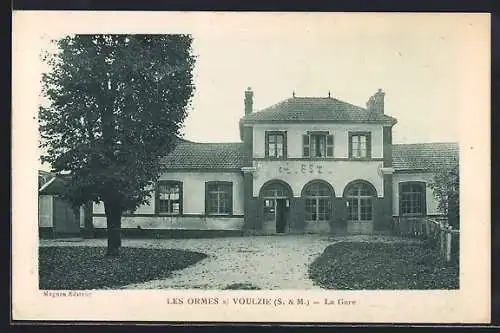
{"type": "Point", "coordinates": [49, 233]}
{"type": "Point", "coordinates": [170, 233]}
{"type": "Point", "coordinates": [364, 227]}
{"type": "Point", "coordinates": [175, 222]}
{"type": "Point", "coordinates": [316, 227]}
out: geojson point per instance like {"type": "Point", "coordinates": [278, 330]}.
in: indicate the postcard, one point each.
{"type": "Point", "coordinates": [251, 167]}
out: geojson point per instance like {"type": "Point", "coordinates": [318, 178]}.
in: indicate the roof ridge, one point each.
{"type": "Point", "coordinates": [319, 108]}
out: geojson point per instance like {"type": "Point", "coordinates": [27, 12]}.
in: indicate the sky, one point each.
{"type": "Point", "coordinates": [419, 66]}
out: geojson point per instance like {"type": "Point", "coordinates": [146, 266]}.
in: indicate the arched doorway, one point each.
{"type": "Point", "coordinates": [276, 195]}
{"type": "Point", "coordinates": [360, 196]}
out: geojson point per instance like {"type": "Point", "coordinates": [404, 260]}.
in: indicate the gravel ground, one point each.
{"type": "Point", "coordinates": [265, 262]}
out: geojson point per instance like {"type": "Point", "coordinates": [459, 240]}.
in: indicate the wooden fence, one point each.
{"type": "Point", "coordinates": [437, 232]}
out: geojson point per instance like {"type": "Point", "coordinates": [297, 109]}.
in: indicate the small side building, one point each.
{"type": "Point", "coordinates": [415, 166]}
{"type": "Point", "coordinates": [201, 194]}
{"type": "Point", "coordinates": [56, 217]}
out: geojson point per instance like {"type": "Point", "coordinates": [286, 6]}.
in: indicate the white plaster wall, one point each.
{"type": "Point", "coordinates": [170, 222]}
{"type": "Point", "coordinates": [45, 210]}
{"type": "Point", "coordinates": [336, 173]}
{"type": "Point", "coordinates": [194, 191]}
{"type": "Point", "coordinates": [340, 137]}
{"type": "Point", "coordinates": [420, 177]}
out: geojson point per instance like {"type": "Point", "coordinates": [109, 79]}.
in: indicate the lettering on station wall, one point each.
{"type": "Point", "coordinates": [303, 168]}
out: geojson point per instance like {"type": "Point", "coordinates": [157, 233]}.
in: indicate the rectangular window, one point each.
{"type": "Point", "coordinates": [317, 145]}
{"type": "Point", "coordinates": [412, 198]}
{"type": "Point", "coordinates": [169, 197]}
{"type": "Point", "coordinates": [359, 145]}
{"type": "Point", "coordinates": [219, 198]}
{"type": "Point", "coordinates": [276, 144]}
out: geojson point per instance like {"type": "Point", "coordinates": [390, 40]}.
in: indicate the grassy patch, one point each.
{"type": "Point", "coordinates": [358, 266]}
{"type": "Point", "coordinates": [83, 268]}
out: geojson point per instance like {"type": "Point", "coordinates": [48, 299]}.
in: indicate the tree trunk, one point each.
{"type": "Point", "coordinates": [113, 217]}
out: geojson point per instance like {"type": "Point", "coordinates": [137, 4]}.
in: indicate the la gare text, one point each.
{"type": "Point", "coordinates": [256, 301]}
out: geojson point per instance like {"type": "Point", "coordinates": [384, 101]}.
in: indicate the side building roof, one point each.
{"type": "Point", "coordinates": [207, 156]}
{"type": "Point", "coordinates": [232, 156]}
{"type": "Point", "coordinates": [424, 156]}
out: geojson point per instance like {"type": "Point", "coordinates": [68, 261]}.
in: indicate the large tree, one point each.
{"type": "Point", "coordinates": [114, 105]}
{"type": "Point", "coordinates": [446, 190]}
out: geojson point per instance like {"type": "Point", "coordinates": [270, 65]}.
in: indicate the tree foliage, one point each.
{"type": "Point", "coordinates": [446, 190]}
{"type": "Point", "coordinates": [115, 105]}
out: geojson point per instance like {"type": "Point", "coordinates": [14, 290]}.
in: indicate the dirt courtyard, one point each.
{"type": "Point", "coordinates": [265, 262]}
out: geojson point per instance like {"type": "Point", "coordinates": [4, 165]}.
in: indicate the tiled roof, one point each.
{"type": "Point", "coordinates": [194, 155]}
{"type": "Point", "coordinates": [231, 156]}
{"type": "Point", "coordinates": [424, 156]}
{"type": "Point", "coordinates": [316, 109]}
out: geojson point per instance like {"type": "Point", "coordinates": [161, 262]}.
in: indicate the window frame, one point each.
{"type": "Point", "coordinates": [423, 198]}
{"type": "Point", "coordinates": [208, 208]}
{"type": "Point", "coordinates": [157, 197]}
{"type": "Point", "coordinates": [308, 142]}
{"type": "Point", "coordinates": [284, 143]}
{"type": "Point", "coordinates": [368, 142]}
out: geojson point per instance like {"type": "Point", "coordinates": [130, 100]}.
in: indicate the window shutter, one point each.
{"type": "Point", "coordinates": [266, 143]}
{"type": "Point", "coordinates": [329, 145]}
{"type": "Point", "coordinates": [285, 148]}
{"type": "Point", "coordinates": [368, 145]}
{"type": "Point", "coordinates": [350, 145]}
{"type": "Point", "coordinates": [305, 142]}
{"type": "Point", "coordinates": [230, 196]}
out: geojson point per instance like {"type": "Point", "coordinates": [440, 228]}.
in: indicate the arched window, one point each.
{"type": "Point", "coordinates": [318, 201]}
{"type": "Point", "coordinates": [275, 189]}
{"type": "Point", "coordinates": [272, 190]}
{"type": "Point", "coordinates": [359, 197]}
{"type": "Point", "coordinates": [412, 199]}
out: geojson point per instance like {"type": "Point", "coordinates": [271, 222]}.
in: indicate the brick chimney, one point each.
{"type": "Point", "coordinates": [376, 102]}
{"type": "Point", "coordinates": [248, 101]}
